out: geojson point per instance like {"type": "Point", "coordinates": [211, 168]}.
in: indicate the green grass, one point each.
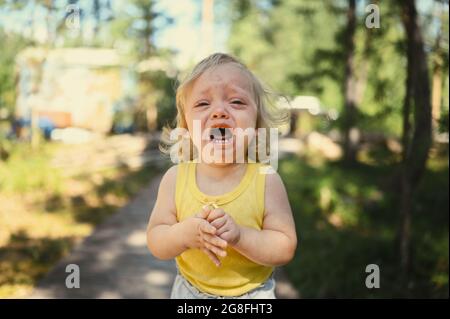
{"type": "Point", "coordinates": [347, 217]}
{"type": "Point", "coordinates": [43, 213]}
{"type": "Point", "coordinates": [29, 170]}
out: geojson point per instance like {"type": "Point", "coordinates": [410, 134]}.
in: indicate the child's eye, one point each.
{"type": "Point", "coordinates": [201, 104]}
{"type": "Point", "coordinates": [237, 102]}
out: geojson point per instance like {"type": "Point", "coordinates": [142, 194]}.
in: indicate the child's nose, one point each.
{"type": "Point", "coordinates": [219, 112]}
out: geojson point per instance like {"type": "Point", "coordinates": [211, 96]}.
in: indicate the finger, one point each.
{"type": "Point", "coordinates": [216, 213]}
{"type": "Point", "coordinates": [215, 249]}
{"type": "Point", "coordinates": [226, 235]}
{"type": "Point", "coordinates": [223, 229]}
{"type": "Point", "coordinates": [219, 222]}
{"type": "Point", "coordinates": [206, 227]}
{"type": "Point", "coordinates": [211, 256]}
{"type": "Point", "coordinates": [206, 210]}
{"type": "Point", "coordinates": [215, 240]}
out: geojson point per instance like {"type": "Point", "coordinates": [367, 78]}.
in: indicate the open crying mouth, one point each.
{"type": "Point", "coordinates": [220, 135]}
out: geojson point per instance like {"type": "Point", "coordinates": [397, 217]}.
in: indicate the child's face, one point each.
{"type": "Point", "coordinates": [221, 98]}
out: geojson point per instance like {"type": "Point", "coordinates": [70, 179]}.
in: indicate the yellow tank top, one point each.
{"type": "Point", "coordinates": [237, 274]}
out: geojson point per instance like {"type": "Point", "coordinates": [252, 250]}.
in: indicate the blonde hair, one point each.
{"type": "Point", "coordinates": [269, 115]}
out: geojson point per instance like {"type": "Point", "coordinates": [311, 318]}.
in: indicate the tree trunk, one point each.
{"type": "Point", "coordinates": [49, 5]}
{"type": "Point", "coordinates": [404, 230]}
{"type": "Point", "coordinates": [405, 224]}
{"type": "Point", "coordinates": [148, 30]}
{"type": "Point", "coordinates": [350, 133]}
{"type": "Point", "coordinates": [96, 9]}
{"type": "Point", "coordinates": [436, 95]}
{"type": "Point", "coordinates": [416, 152]}
{"type": "Point", "coordinates": [406, 112]}
{"type": "Point", "coordinates": [207, 27]}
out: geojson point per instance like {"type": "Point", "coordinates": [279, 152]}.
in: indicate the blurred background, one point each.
{"type": "Point", "coordinates": [86, 87]}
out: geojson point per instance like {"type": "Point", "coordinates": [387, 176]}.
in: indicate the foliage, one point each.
{"type": "Point", "coordinates": [346, 219]}
{"type": "Point", "coordinates": [297, 46]}
{"type": "Point", "coordinates": [11, 45]}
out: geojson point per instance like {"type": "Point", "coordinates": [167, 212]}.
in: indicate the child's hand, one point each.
{"type": "Point", "coordinates": [227, 229]}
{"type": "Point", "coordinates": [202, 235]}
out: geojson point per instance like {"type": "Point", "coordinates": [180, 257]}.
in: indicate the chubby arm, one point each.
{"type": "Point", "coordinates": [276, 242]}
{"type": "Point", "coordinates": [162, 231]}
{"type": "Point", "coordinates": [168, 238]}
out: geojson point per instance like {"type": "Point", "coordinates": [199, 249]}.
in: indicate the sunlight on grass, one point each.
{"type": "Point", "coordinates": [43, 213]}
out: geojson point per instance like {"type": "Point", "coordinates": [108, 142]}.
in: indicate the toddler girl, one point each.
{"type": "Point", "coordinates": [227, 223]}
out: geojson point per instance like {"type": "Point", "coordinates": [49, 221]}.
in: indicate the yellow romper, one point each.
{"type": "Point", "coordinates": [237, 275]}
